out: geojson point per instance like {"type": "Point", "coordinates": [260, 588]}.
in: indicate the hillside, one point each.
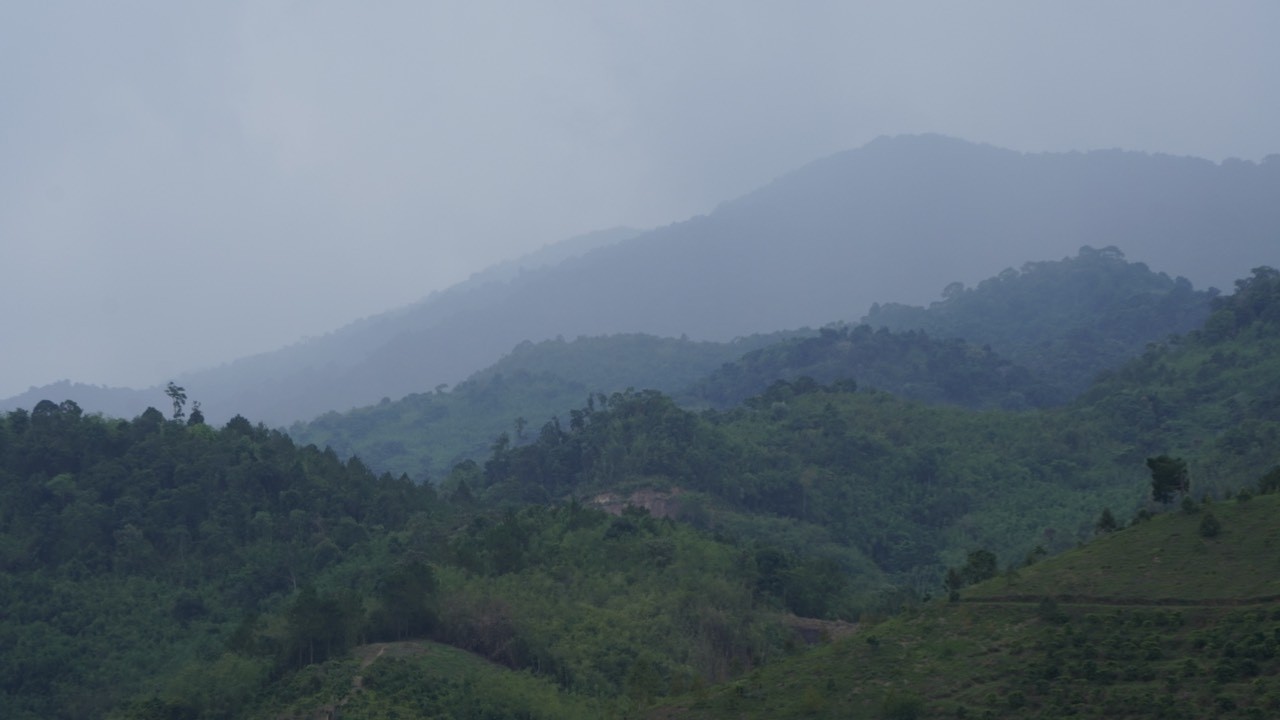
{"type": "Point", "coordinates": [1211, 396]}
{"type": "Point", "coordinates": [819, 456]}
{"type": "Point", "coordinates": [907, 486]}
{"type": "Point", "coordinates": [154, 568]}
{"type": "Point", "coordinates": [889, 222]}
{"type": "Point", "coordinates": [426, 434]}
{"type": "Point", "coordinates": [615, 362]}
{"type": "Point", "coordinates": [1065, 321]}
{"type": "Point", "coordinates": [1070, 318]}
{"type": "Point", "coordinates": [908, 364]}
{"type": "Point", "coordinates": [1175, 625]}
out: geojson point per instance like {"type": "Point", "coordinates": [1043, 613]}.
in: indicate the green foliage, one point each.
{"type": "Point", "coordinates": [535, 380]}
{"type": "Point", "coordinates": [613, 363]}
{"type": "Point", "coordinates": [1106, 522]}
{"type": "Point", "coordinates": [407, 597]}
{"type": "Point", "coordinates": [810, 459]}
{"type": "Point", "coordinates": [1270, 482]}
{"type": "Point", "coordinates": [909, 364]}
{"type": "Point", "coordinates": [1065, 321]}
{"type": "Point", "coordinates": [130, 550]}
{"type": "Point", "coordinates": [892, 489]}
{"type": "Point", "coordinates": [1168, 476]}
{"type": "Point", "coordinates": [424, 679]}
{"type": "Point", "coordinates": [897, 706]}
{"type": "Point", "coordinates": [144, 558]}
{"type": "Point", "coordinates": [178, 396]}
{"type": "Point", "coordinates": [1209, 397]}
{"type": "Point", "coordinates": [979, 565]}
{"type": "Point", "coordinates": [1163, 558]}
{"type": "Point", "coordinates": [1128, 647]}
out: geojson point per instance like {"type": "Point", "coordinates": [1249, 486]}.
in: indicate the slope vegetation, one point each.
{"type": "Point", "coordinates": [426, 434]}
{"type": "Point", "coordinates": [1068, 318]}
{"type": "Point", "coordinates": [155, 569]}
{"type": "Point", "coordinates": [1065, 321]}
{"type": "Point", "coordinates": [1177, 625]}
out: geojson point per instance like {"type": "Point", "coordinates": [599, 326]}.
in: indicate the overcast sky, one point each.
{"type": "Point", "coordinates": [182, 184]}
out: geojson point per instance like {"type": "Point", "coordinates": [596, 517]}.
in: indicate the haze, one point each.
{"type": "Point", "coordinates": [182, 186]}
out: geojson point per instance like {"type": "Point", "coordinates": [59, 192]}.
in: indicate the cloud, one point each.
{"type": "Point", "coordinates": [184, 185]}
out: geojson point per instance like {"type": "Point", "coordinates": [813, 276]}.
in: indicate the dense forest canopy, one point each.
{"type": "Point", "coordinates": [159, 568]}
{"type": "Point", "coordinates": [1065, 321]}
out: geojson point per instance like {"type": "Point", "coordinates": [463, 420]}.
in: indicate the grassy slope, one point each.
{"type": "Point", "coordinates": [424, 679]}
{"type": "Point", "coordinates": [1167, 561]}
{"type": "Point", "coordinates": [987, 658]}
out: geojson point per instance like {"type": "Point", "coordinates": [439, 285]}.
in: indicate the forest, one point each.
{"type": "Point", "coordinates": [1095, 309]}
{"type": "Point", "coordinates": [163, 567]}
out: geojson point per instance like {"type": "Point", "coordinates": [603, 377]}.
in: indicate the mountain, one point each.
{"type": "Point", "coordinates": [1064, 321]}
{"type": "Point", "coordinates": [426, 434]}
{"type": "Point", "coordinates": [118, 402]}
{"type": "Point", "coordinates": [888, 222]}
{"type": "Point", "coordinates": [311, 376]}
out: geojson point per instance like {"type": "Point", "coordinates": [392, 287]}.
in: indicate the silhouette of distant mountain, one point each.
{"type": "Point", "coordinates": [892, 221]}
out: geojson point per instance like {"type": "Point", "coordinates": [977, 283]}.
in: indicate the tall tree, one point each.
{"type": "Point", "coordinates": [179, 397]}
{"type": "Point", "coordinates": [1168, 477]}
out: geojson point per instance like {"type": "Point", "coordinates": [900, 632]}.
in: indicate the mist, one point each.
{"type": "Point", "coordinates": [185, 186]}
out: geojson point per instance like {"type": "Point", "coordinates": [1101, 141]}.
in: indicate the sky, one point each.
{"type": "Point", "coordinates": [183, 184]}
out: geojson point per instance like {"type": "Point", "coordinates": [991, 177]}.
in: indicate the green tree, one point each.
{"type": "Point", "coordinates": [1168, 477]}
{"type": "Point", "coordinates": [953, 582]}
{"type": "Point", "coordinates": [197, 417]}
{"type": "Point", "coordinates": [407, 595]}
{"type": "Point", "coordinates": [1210, 526]}
{"type": "Point", "coordinates": [178, 395]}
{"type": "Point", "coordinates": [1107, 522]}
{"type": "Point", "coordinates": [980, 565]}
{"type": "Point", "coordinates": [317, 627]}
{"type": "Point", "coordinates": [1270, 482]}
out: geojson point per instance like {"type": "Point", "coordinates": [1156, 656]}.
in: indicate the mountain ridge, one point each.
{"type": "Point", "coordinates": [891, 221]}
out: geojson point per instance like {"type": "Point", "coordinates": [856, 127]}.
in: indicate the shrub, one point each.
{"type": "Point", "coordinates": [901, 707]}
{"type": "Point", "coordinates": [1210, 526]}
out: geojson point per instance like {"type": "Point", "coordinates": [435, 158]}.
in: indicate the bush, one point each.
{"type": "Point", "coordinates": [901, 707]}
{"type": "Point", "coordinates": [1049, 611]}
{"type": "Point", "coordinates": [1270, 482]}
{"type": "Point", "coordinates": [1106, 522]}
{"type": "Point", "coordinates": [1209, 526]}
